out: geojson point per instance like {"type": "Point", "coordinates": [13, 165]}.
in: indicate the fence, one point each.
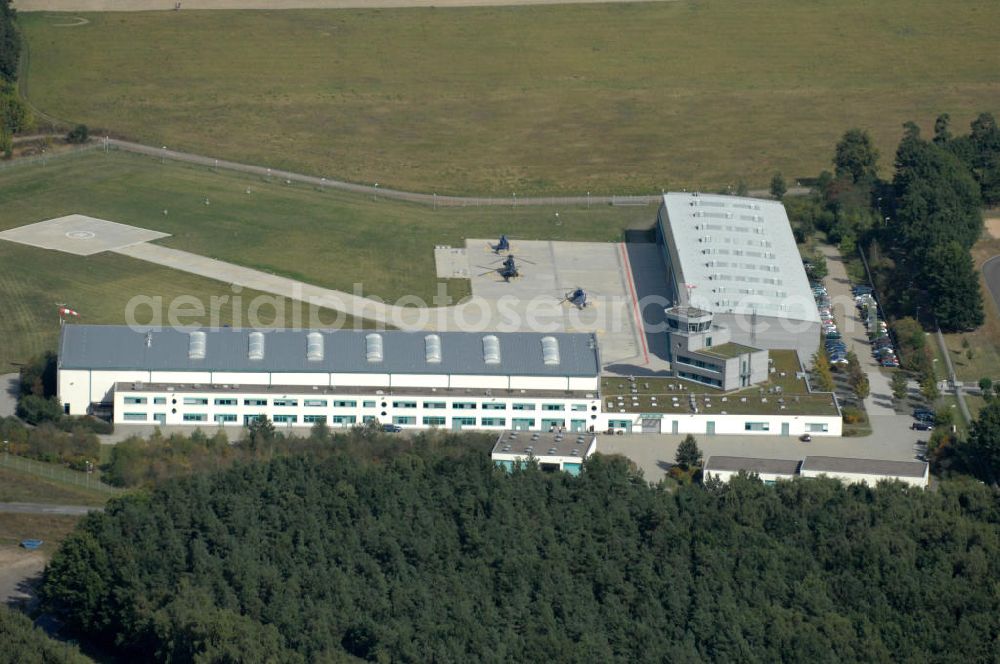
{"type": "Point", "coordinates": [57, 473]}
{"type": "Point", "coordinates": [43, 159]}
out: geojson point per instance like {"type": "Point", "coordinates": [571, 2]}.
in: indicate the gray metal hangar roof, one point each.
{"type": "Point", "coordinates": [114, 347]}
{"type": "Point", "coordinates": [825, 464]}
{"type": "Point", "coordinates": [740, 255]}
{"type": "Point", "coordinates": [752, 465]}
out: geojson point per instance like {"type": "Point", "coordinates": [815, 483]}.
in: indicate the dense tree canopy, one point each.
{"type": "Point", "coordinates": [436, 555]}
{"type": "Point", "coordinates": [10, 42]}
{"type": "Point", "coordinates": [952, 279]}
{"type": "Point", "coordinates": [984, 442]}
{"type": "Point", "coordinates": [23, 643]}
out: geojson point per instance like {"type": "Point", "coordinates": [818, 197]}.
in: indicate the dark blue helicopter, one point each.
{"type": "Point", "coordinates": [501, 246]}
{"type": "Point", "coordinates": [577, 297]}
{"type": "Point", "coordinates": [508, 269]}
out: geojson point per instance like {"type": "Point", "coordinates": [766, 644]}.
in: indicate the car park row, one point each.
{"type": "Point", "coordinates": [878, 332]}
{"type": "Point", "coordinates": [836, 349]}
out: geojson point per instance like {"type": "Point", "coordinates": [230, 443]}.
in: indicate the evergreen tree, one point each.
{"type": "Point", "coordinates": [778, 186]}
{"type": "Point", "coordinates": [688, 455]}
{"type": "Point", "coordinates": [856, 157]}
{"type": "Point", "coordinates": [984, 442]}
{"type": "Point", "coordinates": [952, 285]}
{"type": "Point", "coordinates": [899, 385]}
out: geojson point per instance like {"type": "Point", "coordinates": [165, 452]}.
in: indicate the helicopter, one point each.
{"type": "Point", "coordinates": [502, 245]}
{"type": "Point", "coordinates": [577, 297]}
{"type": "Point", "coordinates": [508, 268]}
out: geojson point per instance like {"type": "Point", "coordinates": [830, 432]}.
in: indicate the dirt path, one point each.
{"type": "Point", "coordinates": [18, 567]}
{"type": "Point", "coordinates": [165, 5]}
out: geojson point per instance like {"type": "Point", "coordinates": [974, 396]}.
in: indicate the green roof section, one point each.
{"type": "Point", "coordinates": [727, 350]}
{"type": "Point", "coordinates": [785, 393]}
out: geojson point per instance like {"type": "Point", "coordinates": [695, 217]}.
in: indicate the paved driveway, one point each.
{"type": "Point", "coordinates": [8, 394]}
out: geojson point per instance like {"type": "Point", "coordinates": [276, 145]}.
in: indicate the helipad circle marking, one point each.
{"type": "Point", "coordinates": [80, 235]}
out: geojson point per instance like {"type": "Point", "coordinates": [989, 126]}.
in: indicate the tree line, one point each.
{"type": "Point", "coordinates": [434, 554]}
{"type": "Point", "coordinates": [916, 229]}
{"type": "Point", "coordinates": [14, 114]}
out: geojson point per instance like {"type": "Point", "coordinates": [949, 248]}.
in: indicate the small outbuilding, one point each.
{"type": "Point", "coordinates": [768, 470]}
{"type": "Point", "coordinates": [553, 451]}
{"type": "Point", "coordinates": [866, 471]}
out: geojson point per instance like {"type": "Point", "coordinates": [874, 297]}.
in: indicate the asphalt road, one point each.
{"type": "Point", "coordinates": [40, 508]}
{"type": "Point", "coordinates": [991, 272]}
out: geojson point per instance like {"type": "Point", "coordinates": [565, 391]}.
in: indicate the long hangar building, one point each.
{"type": "Point", "coordinates": [736, 258]}
{"type": "Point", "coordinates": [229, 377]}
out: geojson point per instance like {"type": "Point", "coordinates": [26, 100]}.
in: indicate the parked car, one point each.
{"type": "Point", "coordinates": [921, 426]}
{"type": "Point", "coordinates": [391, 428]}
{"type": "Point", "coordinates": [806, 438]}
{"type": "Point", "coordinates": [889, 362]}
{"type": "Point", "coordinates": [833, 335]}
{"type": "Point", "coordinates": [839, 360]}
{"type": "Point", "coordinates": [918, 412]}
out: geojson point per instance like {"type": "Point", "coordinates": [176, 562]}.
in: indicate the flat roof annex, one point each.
{"type": "Point", "coordinates": [739, 254]}
{"type": "Point", "coordinates": [825, 464]}
{"type": "Point", "coordinates": [542, 444]}
{"type": "Point", "coordinates": [752, 465]}
{"type": "Point", "coordinates": [118, 347]}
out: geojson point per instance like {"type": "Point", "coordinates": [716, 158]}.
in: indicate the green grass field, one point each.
{"type": "Point", "coordinates": [325, 238]}
{"type": "Point", "coordinates": [17, 486]}
{"type": "Point", "coordinates": [605, 98]}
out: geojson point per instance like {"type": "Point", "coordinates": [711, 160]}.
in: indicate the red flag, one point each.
{"type": "Point", "coordinates": [66, 311]}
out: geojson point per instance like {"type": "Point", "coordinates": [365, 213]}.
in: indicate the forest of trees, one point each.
{"type": "Point", "coordinates": [433, 554]}
{"type": "Point", "coordinates": [23, 643]}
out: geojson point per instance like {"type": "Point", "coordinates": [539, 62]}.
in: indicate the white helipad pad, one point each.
{"type": "Point", "coordinates": [80, 235]}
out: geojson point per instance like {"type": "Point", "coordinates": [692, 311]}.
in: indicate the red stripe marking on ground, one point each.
{"type": "Point", "coordinates": [635, 304]}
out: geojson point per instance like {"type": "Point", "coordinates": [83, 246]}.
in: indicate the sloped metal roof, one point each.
{"type": "Point", "coordinates": [739, 254]}
{"type": "Point", "coordinates": [123, 348]}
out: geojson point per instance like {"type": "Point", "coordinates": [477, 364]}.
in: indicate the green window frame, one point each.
{"type": "Point", "coordinates": [370, 404]}
{"type": "Point", "coordinates": [195, 417]}
{"type": "Point", "coordinates": [225, 417]}
{"type": "Point", "coordinates": [135, 401]}
{"type": "Point", "coordinates": [314, 403]}
{"type": "Point", "coordinates": [286, 403]}
{"type": "Point", "coordinates": [523, 406]}
{"type": "Point", "coordinates": [579, 407]}
{"type": "Point", "coordinates": [404, 404]}
{"type": "Point", "coordinates": [435, 405]}
{"type": "Point", "coordinates": [495, 406]}
{"type": "Point", "coordinates": [494, 421]}
{"type": "Point", "coordinates": [195, 401]}
{"type": "Point", "coordinates": [464, 405]}
{"type": "Point", "coordinates": [227, 402]}
{"type": "Point", "coordinates": [553, 406]}
{"type": "Point", "coordinates": [344, 403]}
{"type": "Point", "coordinates": [434, 420]}
{"type": "Point", "coordinates": [344, 419]}
{"type": "Point", "coordinates": [404, 419]}
{"type": "Point", "coordinates": [756, 426]}
{"type": "Point", "coordinates": [313, 419]}
{"type": "Point", "coordinates": [159, 401]}
{"type": "Point", "coordinates": [134, 417]}
{"type": "Point", "coordinates": [464, 421]}
{"type": "Point", "coordinates": [255, 402]}
{"type": "Point", "coordinates": [286, 419]}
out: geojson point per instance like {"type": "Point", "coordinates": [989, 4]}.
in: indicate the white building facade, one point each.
{"type": "Point", "coordinates": [229, 377]}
